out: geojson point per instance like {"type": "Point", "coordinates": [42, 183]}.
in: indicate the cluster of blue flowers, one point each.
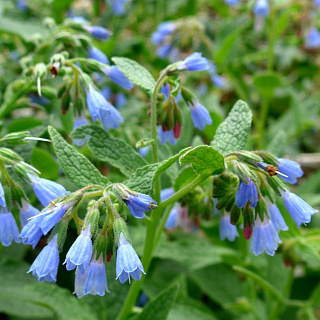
{"type": "Point", "coordinates": [264, 227]}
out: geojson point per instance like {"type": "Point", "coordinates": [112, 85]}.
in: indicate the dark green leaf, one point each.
{"type": "Point", "coordinates": [45, 163]}
{"type": "Point", "coordinates": [76, 166]}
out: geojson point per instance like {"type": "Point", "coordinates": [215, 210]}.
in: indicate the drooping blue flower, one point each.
{"type": "Point", "coordinates": [120, 100]}
{"type": "Point", "coordinates": [79, 19]}
{"type": "Point", "coordinates": [276, 218]}
{"type": "Point", "coordinates": [46, 190]}
{"type": "Point", "coordinates": [78, 122]}
{"type": "Point", "coordinates": [261, 8]}
{"type": "Point", "coordinates": [31, 232]}
{"type": "Point", "coordinates": [98, 32]}
{"type": "Point", "coordinates": [2, 197]}
{"type": "Point", "coordinates": [172, 220]}
{"type": "Point", "coordinates": [164, 29]}
{"type": "Point", "coordinates": [22, 5]}
{"type": "Point", "coordinates": [106, 92]}
{"type": "Point", "coordinates": [232, 3]}
{"type": "Point", "coordinates": [93, 281]}
{"type": "Point", "coordinates": [101, 109]}
{"type": "Point", "coordinates": [291, 169]}
{"type": "Point", "coordinates": [227, 230]}
{"type": "Point", "coordinates": [118, 7]}
{"type": "Point", "coordinates": [299, 210]}
{"type": "Point", "coordinates": [165, 136]}
{"type": "Point", "coordinates": [195, 62]}
{"type": "Point", "coordinates": [200, 115]}
{"type": "Point", "coordinates": [8, 228]}
{"type": "Point", "coordinates": [164, 50]}
{"type": "Point", "coordinates": [53, 215]}
{"type": "Point", "coordinates": [45, 266]}
{"type": "Point", "coordinates": [96, 54]}
{"type": "Point", "coordinates": [27, 211]}
{"type": "Point", "coordinates": [166, 193]}
{"type": "Point", "coordinates": [80, 253]}
{"type": "Point", "coordinates": [118, 77]}
{"type": "Point", "coordinates": [245, 193]}
{"type": "Point", "coordinates": [312, 40]}
{"type": "Point", "coordinates": [139, 204]}
{"type": "Point", "coordinates": [128, 263]}
{"type": "Point", "coordinates": [265, 237]}
{"type": "Point", "coordinates": [218, 81]}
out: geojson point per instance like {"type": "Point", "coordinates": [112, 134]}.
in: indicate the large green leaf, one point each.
{"type": "Point", "coordinates": [45, 163]}
{"type": "Point", "coordinates": [142, 179]}
{"type": "Point", "coordinates": [76, 166]}
{"type": "Point", "coordinates": [110, 149]}
{"type": "Point", "coordinates": [204, 159]}
{"type": "Point", "coordinates": [135, 72]}
{"type": "Point", "coordinates": [158, 309]}
{"type": "Point", "coordinates": [23, 296]}
{"type": "Point", "coordinates": [233, 133]}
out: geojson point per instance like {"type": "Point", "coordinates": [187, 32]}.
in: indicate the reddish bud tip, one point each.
{"type": "Point", "coordinates": [177, 130]}
{"type": "Point", "coordinates": [247, 231]}
{"type": "Point", "coordinates": [108, 259]}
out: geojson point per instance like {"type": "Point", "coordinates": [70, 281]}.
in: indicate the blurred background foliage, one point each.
{"type": "Point", "coordinates": [271, 69]}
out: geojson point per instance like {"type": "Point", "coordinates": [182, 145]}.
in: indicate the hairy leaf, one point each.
{"type": "Point", "coordinates": [233, 133]}
{"type": "Point", "coordinates": [76, 166]}
{"type": "Point", "coordinates": [204, 159]}
{"type": "Point", "coordinates": [135, 72]}
{"type": "Point", "coordinates": [110, 149]}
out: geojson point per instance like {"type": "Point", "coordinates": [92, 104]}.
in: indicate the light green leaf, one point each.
{"type": "Point", "coordinates": [135, 72]}
{"type": "Point", "coordinates": [233, 133]}
{"type": "Point", "coordinates": [186, 175]}
{"type": "Point", "coordinates": [203, 252]}
{"type": "Point", "coordinates": [158, 309]}
{"type": "Point", "coordinates": [45, 163]}
{"type": "Point", "coordinates": [204, 159]}
{"type": "Point", "coordinates": [112, 150]}
{"type": "Point", "coordinates": [23, 296]}
{"type": "Point", "coordinates": [142, 179]}
{"type": "Point", "coordinates": [76, 166]}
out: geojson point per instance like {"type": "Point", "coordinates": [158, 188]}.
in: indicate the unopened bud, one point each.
{"type": "Point", "coordinates": [119, 226]}
{"type": "Point", "coordinates": [16, 138]}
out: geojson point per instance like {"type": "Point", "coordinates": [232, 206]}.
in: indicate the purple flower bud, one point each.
{"type": "Point", "coordinates": [80, 121]}
{"type": "Point", "coordinates": [165, 136]}
{"type": "Point", "coordinates": [227, 230]}
{"type": "Point", "coordinates": [261, 8]}
{"type": "Point", "coordinates": [291, 169]}
{"type": "Point", "coordinates": [46, 190]}
{"type": "Point", "coordinates": [27, 211]}
{"type": "Point", "coordinates": [312, 40]}
{"type": "Point", "coordinates": [98, 32]}
{"type": "Point", "coordinates": [265, 237]}
{"type": "Point", "coordinates": [276, 218]}
{"type": "Point", "coordinates": [45, 266]}
{"type": "Point", "coordinates": [200, 115]}
{"type": "Point", "coordinates": [128, 263]}
{"type": "Point", "coordinates": [118, 77]}
{"type": "Point", "coordinates": [139, 204]}
{"type": "Point", "coordinates": [96, 54]}
{"type": "Point", "coordinates": [80, 253]}
{"type": "Point", "coordinates": [195, 62]}
{"type": "Point", "coordinates": [245, 193]}
{"type": "Point", "coordinates": [299, 210]}
{"type": "Point", "coordinates": [93, 281]}
{"type": "Point", "coordinates": [8, 228]}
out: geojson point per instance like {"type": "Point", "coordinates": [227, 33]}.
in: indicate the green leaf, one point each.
{"type": "Point", "coordinates": [135, 72]}
{"type": "Point", "coordinates": [204, 159]}
{"type": "Point", "coordinates": [158, 309]}
{"type": "Point", "coordinates": [76, 166]}
{"type": "Point", "coordinates": [23, 296]}
{"type": "Point", "coordinates": [267, 83]}
{"type": "Point", "coordinates": [233, 133]}
{"type": "Point", "coordinates": [45, 163]}
{"type": "Point", "coordinates": [24, 29]}
{"type": "Point", "coordinates": [202, 251]}
{"type": "Point", "coordinates": [112, 150]}
{"type": "Point", "coordinates": [142, 179]}
{"type": "Point", "coordinates": [24, 124]}
{"type": "Point", "coordinates": [186, 175]}
{"type": "Point", "coordinates": [276, 144]}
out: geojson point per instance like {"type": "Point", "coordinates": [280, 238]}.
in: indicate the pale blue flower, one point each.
{"type": "Point", "coordinates": [245, 193]}
{"type": "Point", "coordinates": [31, 232]}
{"type": "Point", "coordinates": [165, 136]}
{"type": "Point", "coordinates": [200, 115]}
{"type": "Point", "coordinates": [291, 169]}
{"type": "Point", "coordinates": [78, 122]}
{"type": "Point", "coordinates": [139, 204]}
{"type": "Point", "coordinates": [172, 220]}
{"type": "Point", "coordinates": [194, 62]}
{"type": "Point", "coordinates": [276, 218]}
{"type": "Point", "coordinates": [80, 253]}
{"type": "Point", "coordinates": [8, 228]}
{"type": "Point", "coordinates": [45, 266]}
{"type": "Point", "coordinates": [227, 230]}
{"type": "Point", "coordinates": [299, 210]}
{"type": "Point", "coordinates": [261, 8]}
{"type": "Point", "coordinates": [232, 3]}
{"type": "Point", "coordinates": [312, 40]}
{"type": "Point", "coordinates": [93, 281]}
{"type": "Point", "coordinates": [27, 211]}
{"type": "Point", "coordinates": [164, 29]}
{"type": "Point", "coordinates": [2, 197]}
{"type": "Point", "coordinates": [118, 77]}
{"type": "Point", "coordinates": [98, 32]}
{"type": "Point", "coordinates": [166, 193]}
{"type": "Point", "coordinates": [96, 54]}
{"type": "Point", "coordinates": [128, 263]}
